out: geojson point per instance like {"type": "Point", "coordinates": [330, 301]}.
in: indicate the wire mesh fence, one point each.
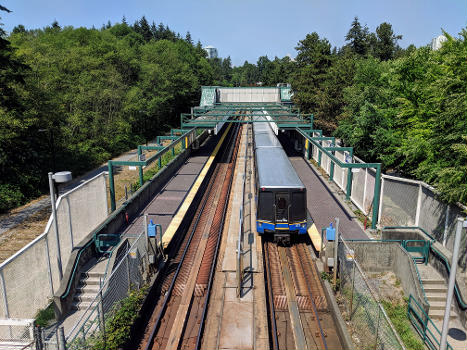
{"type": "Point", "coordinates": [17, 334]}
{"type": "Point", "coordinates": [370, 325]}
{"type": "Point", "coordinates": [129, 273]}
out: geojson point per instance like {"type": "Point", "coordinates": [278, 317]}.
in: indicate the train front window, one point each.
{"type": "Point", "coordinates": [265, 203]}
{"type": "Point", "coordinates": [298, 206]}
{"type": "Point", "coordinates": [282, 207]}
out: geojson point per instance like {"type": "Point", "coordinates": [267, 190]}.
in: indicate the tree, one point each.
{"type": "Point", "coordinates": [313, 62]}
{"type": "Point", "coordinates": [386, 42]}
{"type": "Point", "coordinates": [188, 38]}
{"type": "Point", "coordinates": [144, 29]}
{"type": "Point", "coordinates": [358, 38]}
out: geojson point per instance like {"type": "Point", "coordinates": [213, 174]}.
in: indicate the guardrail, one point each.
{"type": "Point", "coordinates": [240, 229]}
{"type": "Point", "coordinates": [422, 322]}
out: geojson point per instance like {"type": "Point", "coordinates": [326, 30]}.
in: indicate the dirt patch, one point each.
{"type": "Point", "coordinates": [387, 286]}
{"type": "Point", "coordinates": [16, 238]}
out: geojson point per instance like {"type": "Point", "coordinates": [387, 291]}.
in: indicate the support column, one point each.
{"type": "Point", "coordinates": [376, 197]}
{"type": "Point", "coordinates": [111, 186]}
{"type": "Point", "coordinates": [349, 184]}
{"type": "Point", "coordinates": [141, 178]}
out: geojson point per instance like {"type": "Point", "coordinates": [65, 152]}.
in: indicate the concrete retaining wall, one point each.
{"type": "Point", "coordinates": [390, 256]}
{"type": "Point", "coordinates": [435, 261]}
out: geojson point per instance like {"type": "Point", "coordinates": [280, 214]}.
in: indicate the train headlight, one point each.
{"type": "Point", "coordinates": [303, 225]}
{"type": "Point", "coordinates": [260, 224]}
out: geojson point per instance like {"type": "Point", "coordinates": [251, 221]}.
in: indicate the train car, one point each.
{"type": "Point", "coordinates": [280, 194]}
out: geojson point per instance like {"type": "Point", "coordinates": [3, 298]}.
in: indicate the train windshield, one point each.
{"type": "Point", "coordinates": [282, 207]}
{"type": "Point", "coordinates": [298, 206]}
{"type": "Point", "coordinates": [265, 211]}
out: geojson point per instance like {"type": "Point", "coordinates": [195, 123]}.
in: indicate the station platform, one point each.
{"type": "Point", "coordinates": [165, 205]}
{"type": "Point", "coordinates": [323, 203]}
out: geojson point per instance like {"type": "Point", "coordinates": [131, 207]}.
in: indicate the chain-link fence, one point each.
{"type": "Point", "coordinates": [370, 325]}
{"type": "Point", "coordinates": [17, 334]}
{"type": "Point", "coordinates": [131, 271]}
{"type": "Point", "coordinates": [406, 202]}
{"type": "Point", "coordinates": [29, 277]}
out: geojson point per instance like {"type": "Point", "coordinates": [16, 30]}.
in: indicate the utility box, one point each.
{"type": "Point", "coordinates": [151, 229]}
{"type": "Point", "coordinates": [330, 233]}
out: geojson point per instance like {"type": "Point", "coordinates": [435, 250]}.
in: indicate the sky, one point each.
{"type": "Point", "coordinates": [247, 29]}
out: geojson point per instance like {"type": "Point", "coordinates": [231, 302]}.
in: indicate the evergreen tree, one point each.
{"type": "Point", "coordinates": [188, 38]}
{"type": "Point", "coordinates": [144, 29]}
{"type": "Point", "coordinates": [358, 38]}
{"type": "Point", "coordinates": [386, 43]}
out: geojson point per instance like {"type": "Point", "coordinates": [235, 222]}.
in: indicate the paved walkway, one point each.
{"type": "Point", "coordinates": [323, 200]}
{"type": "Point", "coordinates": [165, 204]}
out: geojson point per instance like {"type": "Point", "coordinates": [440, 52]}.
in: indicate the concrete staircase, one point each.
{"type": "Point", "coordinates": [88, 287]}
{"type": "Point", "coordinates": [435, 290]}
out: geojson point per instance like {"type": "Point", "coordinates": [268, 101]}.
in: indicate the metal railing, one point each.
{"type": "Point", "coordinates": [129, 274]}
{"type": "Point", "coordinates": [367, 317]}
{"type": "Point", "coordinates": [424, 325]}
{"type": "Point", "coordinates": [240, 229]}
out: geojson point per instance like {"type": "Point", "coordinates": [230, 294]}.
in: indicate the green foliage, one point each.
{"type": "Point", "coordinates": [397, 313]}
{"type": "Point", "coordinates": [118, 326]}
{"type": "Point", "coordinates": [44, 316]}
{"type": "Point", "coordinates": [409, 113]}
{"type": "Point", "coordinates": [74, 97]}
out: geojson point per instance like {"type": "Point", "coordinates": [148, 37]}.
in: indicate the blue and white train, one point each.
{"type": "Point", "coordinates": [280, 194]}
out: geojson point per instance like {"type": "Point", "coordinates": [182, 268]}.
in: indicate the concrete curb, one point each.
{"type": "Point", "coordinates": [341, 326]}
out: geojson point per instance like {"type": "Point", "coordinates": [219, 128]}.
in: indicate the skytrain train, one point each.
{"type": "Point", "coordinates": [280, 194]}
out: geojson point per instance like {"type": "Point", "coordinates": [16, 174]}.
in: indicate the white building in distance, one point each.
{"type": "Point", "coordinates": [211, 50]}
{"type": "Point", "coordinates": [437, 42]}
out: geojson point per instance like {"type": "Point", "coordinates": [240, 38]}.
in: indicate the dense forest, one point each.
{"type": "Point", "coordinates": [71, 98]}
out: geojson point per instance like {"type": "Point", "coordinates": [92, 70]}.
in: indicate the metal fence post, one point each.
{"type": "Point", "coordinates": [419, 205]}
{"type": "Point", "coordinates": [349, 184]}
{"type": "Point", "coordinates": [380, 211]}
{"type": "Point", "coordinates": [39, 339]}
{"type": "Point", "coordinates": [128, 270]}
{"type": "Point", "coordinates": [377, 194]}
{"type": "Point", "coordinates": [49, 267]}
{"type": "Point", "coordinates": [446, 225]}
{"type": "Point", "coordinates": [377, 328]}
{"type": "Point", "coordinates": [336, 247]}
{"type": "Point", "coordinates": [353, 286]}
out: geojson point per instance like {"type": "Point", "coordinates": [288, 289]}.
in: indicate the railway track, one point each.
{"type": "Point", "coordinates": [297, 307]}
{"type": "Point", "coordinates": [177, 320]}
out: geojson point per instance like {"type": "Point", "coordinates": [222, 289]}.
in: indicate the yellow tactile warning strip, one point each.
{"type": "Point", "coordinates": [315, 237]}
{"type": "Point", "coordinates": [177, 219]}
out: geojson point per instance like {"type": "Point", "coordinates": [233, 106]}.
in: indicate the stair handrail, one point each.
{"type": "Point", "coordinates": [425, 323]}
{"type": "Point", "coordinates": [75, 268]}
{"type": "Point", "coordinates": [459, 297]}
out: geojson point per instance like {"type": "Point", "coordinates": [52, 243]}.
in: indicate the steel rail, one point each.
{"type": "Point", "coordinates": [168, 294]}
{"type": "Point", "coordinates": [214, 261]}
{"type": "Point", "coordinates": [267, 265]}
{"type": "Point", "coordinates": [315, 310]}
